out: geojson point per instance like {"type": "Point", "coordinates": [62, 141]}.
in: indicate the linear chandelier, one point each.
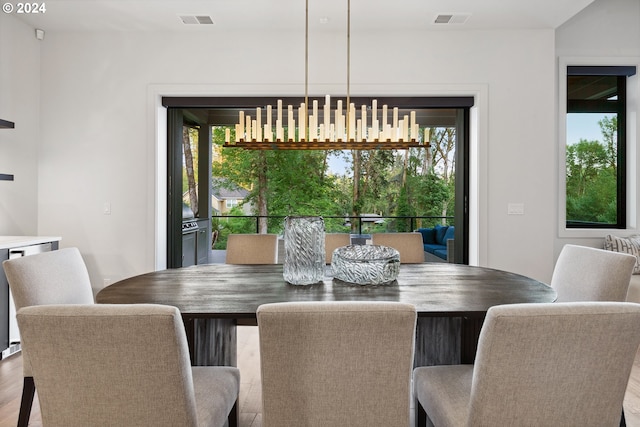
{"type": "Point", "coordinates": [305, 127]}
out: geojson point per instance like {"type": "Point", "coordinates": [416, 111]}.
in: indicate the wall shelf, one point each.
{"type": "Point", "coordinates": [5, 124]}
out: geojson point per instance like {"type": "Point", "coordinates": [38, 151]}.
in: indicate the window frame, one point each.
{"type": "Point", "coordinates": [627, 130]}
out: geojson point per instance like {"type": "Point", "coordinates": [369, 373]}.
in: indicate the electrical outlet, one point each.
{"type": "Point", "coordinates": [106, 208]}
{"type": "Point", "coordinates": [515, 209]}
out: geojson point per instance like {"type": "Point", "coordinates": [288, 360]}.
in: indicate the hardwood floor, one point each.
{"type": "Point", "coordinates": [250, 394]}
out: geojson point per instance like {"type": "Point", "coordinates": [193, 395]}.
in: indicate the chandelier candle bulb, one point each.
{"type": "Point", "coordinates": [363, 117]}
{"type": "Point", "coordinates": [238, 132]}
{"type": "Point", "coordinates": [412, 126]}
{"type": "Point", "coordinates": [241, 122]}
{"type": "Point", "coordinates": [327, 115]}
{"type": "Point", "coordinates": [254, 130]}
{"type": "Point", "coordinates": [279, 110]}
{"type": "Point", "coordinates": [394, 123]}
{"type": "Point", "coordinates": [267, 133]}
{"type": "Point", "coordinates": [374, 111]}
{"type": "Point", "coordinates": [302, 123]}
{"type": "Point", "coordinates": [384, 116]}
{"type": "Point", "coordinates": [358, 130]}
{"type": "Point", "coordinates": [279, 131]}
{"type": "Point", "coordinates": [291, 129]}
{"type": "Point", "coordinates": [258, 125]}
{"type": "Point", "coordinates": [313, 132]}
{"type": "Point", "coordinates": [227, 136]}
{"type": "Point", "coordinates": [339, 114]}
{"type": "Point", "coordinates": [352, 122]}
{"type": "Point", "coordinates": [405, 128]}
{"type": "Point", "coordinates": [269, 112]}
{"type": "Point", "coordinates": [247, 128]}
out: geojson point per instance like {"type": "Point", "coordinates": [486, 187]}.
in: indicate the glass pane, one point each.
{"type": "Point", "coordinates": [591, 168]}
{"type": "Point", "coordinates": [190, 172]}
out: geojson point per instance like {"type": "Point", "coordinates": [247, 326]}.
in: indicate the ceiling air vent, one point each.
{"type": "Point", "coordinates": [458, 18]}
{"type": "Point", "coordinates": [197, 20]}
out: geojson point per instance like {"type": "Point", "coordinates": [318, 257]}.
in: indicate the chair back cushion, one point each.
{"type": "Point", "coordinates": [554, 364]}
{"type": "Point", "coordinates": [333, 241]}
{"type": "Point", "coordinates": [56, 277]}
{"type": "Point", "coordinates": [109, 364]}
{"type": "Point", "coordinates": [336, 363]}
{"type": "Point", "coordinates": [589, 274]}
{"type": "Point", "coordinates": [252, 249]}
{"type": "Point", "coordinates": [409, 245]}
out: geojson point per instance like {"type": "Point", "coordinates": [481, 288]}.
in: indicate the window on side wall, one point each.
{"type": "Point", "coordinates": [596, 146]}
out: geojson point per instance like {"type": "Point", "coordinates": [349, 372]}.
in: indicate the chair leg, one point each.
{"type": "Point", "coordinates": [623, 422]}
{"type": "Point", "coordinates": [421, 415]}
{"type": "Point", "coordinates": [28, 391]}
{"type": "Point", "coordinates": [232, 419]}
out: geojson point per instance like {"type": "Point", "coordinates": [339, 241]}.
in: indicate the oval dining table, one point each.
{"type": "Point", "coordinates": [451, 301]}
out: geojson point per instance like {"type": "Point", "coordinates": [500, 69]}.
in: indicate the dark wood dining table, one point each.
{"type": "Point", "coordinates": [451, 301]}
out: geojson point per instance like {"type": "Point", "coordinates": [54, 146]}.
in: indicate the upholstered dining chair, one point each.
{"type": "Point", "coordinates": [121, 365]}
{"type": "Point", "coordinates": [589, 274]}
{"type": "Point", "coordinates": [57, 277]}
{"type": "Point", "coordinates": [330, 364]}
{"type": "Point", "coordinates": [409, 245]}
{"type": "Point", "coordinates": [553, 364]}
{"type": "Point", "coordinates": [333, 241]}
{"type": "Point", "coordinates": [252, 249]}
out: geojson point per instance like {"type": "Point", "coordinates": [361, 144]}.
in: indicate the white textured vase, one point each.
{"type": "Point", "coordinates": [304, 257]}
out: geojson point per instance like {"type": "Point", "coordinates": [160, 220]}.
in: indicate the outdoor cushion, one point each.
{"type": "Point", "coordinates": [428, 235]}
{"type": "Point", "coordinates": [440, 232]}
{"type": "Point", "coordinates": [450, 234]}
{"type": "Point", "coordinates": [432, 248]}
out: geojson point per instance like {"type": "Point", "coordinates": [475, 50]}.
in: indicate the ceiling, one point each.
{"type": "Point", "coordinates": [260, 15]}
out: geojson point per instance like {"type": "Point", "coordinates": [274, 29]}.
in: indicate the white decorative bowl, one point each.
{"type": "Point", "coordinates": [366, 264]}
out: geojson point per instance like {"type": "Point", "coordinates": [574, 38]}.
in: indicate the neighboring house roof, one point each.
{"type": "Point", "coordinates": [223, 189]}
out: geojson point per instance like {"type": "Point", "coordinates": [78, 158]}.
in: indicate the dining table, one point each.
{"type": "Point", "coordinates": [451, 301]}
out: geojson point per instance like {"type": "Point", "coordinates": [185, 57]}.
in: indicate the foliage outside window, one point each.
{"type": "Point", "coordinates": [415, 182]}
{"type": "Point", "coordinates": [596, 147]}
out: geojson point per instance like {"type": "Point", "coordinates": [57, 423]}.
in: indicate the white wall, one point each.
{"type": "Point", "coordinates": [19, 103]}
{"type": "Point", "coordinates": [99, 136]}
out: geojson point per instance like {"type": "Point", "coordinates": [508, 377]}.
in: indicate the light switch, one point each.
{"type": "Point", "coordinates": [515, 209]}
{"type": "Point", "coordinates": [106, 208]}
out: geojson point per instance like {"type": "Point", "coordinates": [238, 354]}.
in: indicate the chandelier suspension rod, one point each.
{"type": "Point", "coordinates": [306, 64]}
{"type": "Point", "coordinates": [348, 61]}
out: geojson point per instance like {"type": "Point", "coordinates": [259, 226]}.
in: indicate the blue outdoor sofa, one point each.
{"type": "Point", "coordinates": [438, 242]}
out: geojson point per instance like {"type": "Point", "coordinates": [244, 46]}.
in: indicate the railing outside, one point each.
{"type": "Point", "coordinates": [224, 225]}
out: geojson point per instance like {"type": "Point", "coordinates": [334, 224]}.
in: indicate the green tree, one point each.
{"type": "Point", "coordinates": [591, 177]}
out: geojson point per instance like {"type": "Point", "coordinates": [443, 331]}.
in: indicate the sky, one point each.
{"type": "Point", "coordinates": [584, 126]}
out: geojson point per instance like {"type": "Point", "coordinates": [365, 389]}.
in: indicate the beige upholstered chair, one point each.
{"type": "Point", "coordinates": [252, 249]}
{"type": "Point", "coordinates": [57, 277]}
{"type": "Point", "coordinates": [336, 363]}
{"type": "Point", "coordinates": [333, 241]}
{"type": "Point", "coordinates": [408, 244]}
{"type": "Point", "coordinates": [121, 365]}
{"type": "Point", "coordinates": [555, 364]}
{"type": "Point", "coordinates": [589, 274]}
